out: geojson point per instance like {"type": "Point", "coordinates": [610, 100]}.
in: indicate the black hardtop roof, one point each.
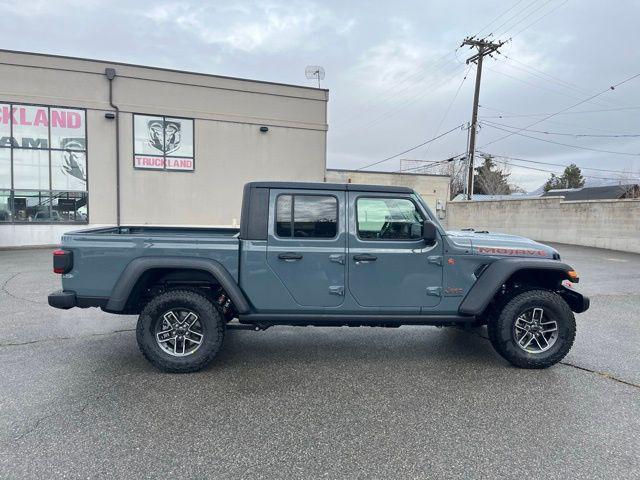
{"type": "Point", "coordinates": [357, 187]}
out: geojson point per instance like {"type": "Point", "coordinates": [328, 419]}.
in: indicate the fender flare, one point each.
{"type": "Point", "coordinates": [498, 272]}
{"type": "Point", "coordinates": [135, 269]}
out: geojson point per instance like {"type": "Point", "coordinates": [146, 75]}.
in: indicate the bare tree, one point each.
{"type": "Point", "coordinates": [456, 170]}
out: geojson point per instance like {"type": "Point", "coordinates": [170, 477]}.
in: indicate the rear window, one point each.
{"type": "Point", "coordinates": [314, 216]}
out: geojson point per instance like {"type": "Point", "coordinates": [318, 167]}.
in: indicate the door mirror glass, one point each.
{"type": "Point", "coordinates": [429, 232]}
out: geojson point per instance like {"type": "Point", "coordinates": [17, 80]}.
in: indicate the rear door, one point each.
{"type": "Point", "coordinates": [307, 245]}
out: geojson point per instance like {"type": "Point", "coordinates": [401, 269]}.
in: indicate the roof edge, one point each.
{"type": "Point", "coordinates": [172, 70]}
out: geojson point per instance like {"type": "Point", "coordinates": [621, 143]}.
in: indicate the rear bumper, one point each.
{"type": "Point", "coordinates": [62, 299]}
{"type": "Point", "coordinates": [66, 299]}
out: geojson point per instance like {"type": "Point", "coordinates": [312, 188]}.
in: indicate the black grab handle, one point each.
{"type": "Point", "coordinates": [290, 256]}
{"type": "Point", "coordinates": [365, 257]}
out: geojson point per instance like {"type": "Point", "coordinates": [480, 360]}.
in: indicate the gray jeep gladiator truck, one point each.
{"type": "Point", "coordinates": [324, 255]}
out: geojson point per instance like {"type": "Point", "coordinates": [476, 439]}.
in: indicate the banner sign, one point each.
{"type": "Point", "coordinates": [163, 143]}
{"type": "Point", "coordinates": [48, 146]}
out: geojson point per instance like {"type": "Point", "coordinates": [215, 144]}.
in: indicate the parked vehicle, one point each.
{"type": "Point", "coordinates": [324, 255]}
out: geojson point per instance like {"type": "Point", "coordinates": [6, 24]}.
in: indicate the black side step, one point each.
{"type": "Point", "coordinates": [263, 320]}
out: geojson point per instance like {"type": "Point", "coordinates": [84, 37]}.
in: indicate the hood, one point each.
{"type": "Point", "coordinates": [501, 244]}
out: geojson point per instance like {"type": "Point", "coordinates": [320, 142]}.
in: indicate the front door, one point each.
{"type": "Point", "coordinates": [306, 246]}
{"type": "Point", "coordinates": [389, 263]}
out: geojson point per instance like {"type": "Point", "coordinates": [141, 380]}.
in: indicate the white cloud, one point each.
{"type": "Point", "coordinates": [255, 26]}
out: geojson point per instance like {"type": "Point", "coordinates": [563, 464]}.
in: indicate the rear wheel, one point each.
{"type": "Point", "coordinates": [534, 329]}
{"type": "Point", "coordinates": [180, 331]}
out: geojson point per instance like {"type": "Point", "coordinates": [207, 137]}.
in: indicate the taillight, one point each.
{"type": "Point", "coordinates": [62, 261]}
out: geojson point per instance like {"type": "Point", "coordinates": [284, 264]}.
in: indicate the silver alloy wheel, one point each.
{"type": "Point", "coordinates": [534, 332]}
{"type": "Point", "coordinates": [179, 333]}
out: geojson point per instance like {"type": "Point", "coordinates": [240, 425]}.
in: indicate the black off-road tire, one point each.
{"type": "Point", "coordinates": [213, 328]}
{"type": "Point", "coordinates": [500, 329]}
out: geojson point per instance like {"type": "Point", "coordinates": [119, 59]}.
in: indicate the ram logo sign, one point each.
{"type": "Point", "coordinates": [163, 143]}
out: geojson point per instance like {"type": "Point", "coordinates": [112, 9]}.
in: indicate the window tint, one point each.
{"type": "Point", "coordinates": [388, 219]}
{"type": "Point", "coordinates": [314, 216]}
{"type": "Point", "coordinates": [283, 216]}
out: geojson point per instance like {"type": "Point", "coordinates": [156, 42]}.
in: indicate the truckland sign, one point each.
{"type": "Point", "coordinates": [43, 137]}
{"type": "Point", "coordinates": [163, 143]}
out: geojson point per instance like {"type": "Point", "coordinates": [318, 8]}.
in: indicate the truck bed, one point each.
{"type": "Point", "coordinates": [100, 255]}
{"type": "Point", "coordinates": [159, 231]}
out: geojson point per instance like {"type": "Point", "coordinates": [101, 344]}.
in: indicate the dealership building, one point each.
{"type": "Point", "coordinates": [91, 143]}
{"type": "Point", "coordinates": [88, 143]}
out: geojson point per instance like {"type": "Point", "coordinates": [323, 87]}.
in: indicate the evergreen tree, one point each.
{"type": "Point", "coordinates": [490, 179]}
{"type": "Point", "coordinates": [570, 178]}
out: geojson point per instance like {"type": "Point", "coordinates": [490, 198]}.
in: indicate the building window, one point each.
{"type": "Point", "coordinates": [43, 164]}
{"type": "Point", "coordinates": [314, 216]}
{"type": "Point", "coordinates": [385, 218]}
{"type": "Point", "coordinates": [163, 143]}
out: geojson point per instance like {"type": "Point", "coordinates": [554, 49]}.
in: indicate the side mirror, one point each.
{"type": "Point", "coordinates": [429, 232]}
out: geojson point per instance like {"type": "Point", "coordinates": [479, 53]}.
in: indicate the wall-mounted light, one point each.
{"type": "Point", "coordinates": [264, 129]}
{"type": "Point", "coordinates": [110, 115]}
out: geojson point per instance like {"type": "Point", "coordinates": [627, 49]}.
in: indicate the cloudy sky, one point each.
{"type": "Point", "coordinates": [394, 70]}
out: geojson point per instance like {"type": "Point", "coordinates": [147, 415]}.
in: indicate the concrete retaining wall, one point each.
{"type": "Point", "coordinates": [611, 224]}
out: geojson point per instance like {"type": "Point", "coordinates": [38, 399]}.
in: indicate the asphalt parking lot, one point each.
{"type": "Point", "coordinates": [79, 400]}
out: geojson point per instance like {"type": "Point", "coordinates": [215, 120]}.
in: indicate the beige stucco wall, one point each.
{"type": "Point", "coordinates": [432, 188]}
{"type": "Point", "coordinates": [611, 224]}
{"type": "Point", "coordinates": [229, 148]}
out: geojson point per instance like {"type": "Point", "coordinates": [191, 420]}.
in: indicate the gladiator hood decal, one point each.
{"type": "Point", "coordinates": [502, 245]}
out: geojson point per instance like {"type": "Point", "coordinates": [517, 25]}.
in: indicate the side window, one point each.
{"type": "Point", "coordinates": [385, 218]}
{"type": "Point", "coordinates": [314, 216]}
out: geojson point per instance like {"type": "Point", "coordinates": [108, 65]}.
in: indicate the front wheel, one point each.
{"type": "Point", "coordinates": [180, 331]}
{"type": "Point", "coordinates": [535, 329]}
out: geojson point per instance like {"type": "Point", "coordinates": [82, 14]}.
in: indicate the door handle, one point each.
{"type": "Point", "coordinates": [290, 257]}
{"type": "Point", "coordinates": [365, 258]}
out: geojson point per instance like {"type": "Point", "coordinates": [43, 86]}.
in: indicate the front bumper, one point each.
{"type": "Point", "coordinates": [577, 302]}
{"type": "Point", "coordinates": [62, 299]}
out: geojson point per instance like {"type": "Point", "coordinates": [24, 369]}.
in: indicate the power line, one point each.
{"type": "Point", "coordinates": [518, 132]}
{"type": "Point", "coordinates": [394, 92]}
{"type": "Point", "coordinates": [407, 102]}
{"type": "Point", "coordinates": [613, 87]}
{"type": "Point", "coordinates": [552, 79]}
{"type": "Point", "coordinates": [575, 135]}
{"type": "Point", "coordinates": [528, 115]}
{"type": "Point", "coordinates": [498, 17]}
{"type": "Point", "coordinates": [446, 113]}
{"type": "Point", "coordinates": [512, 17]}
{"type": "Point", "coordinates": [547, 76]}
{"type": "Point", "coordinates": [533, 84]}
{"type": "Point", "coordinates": [540, 7]}
{"type": "Point", "coordinates": [433, 163]}
{"type": "Point", "coordinates": [553, 164]}
{"type": "Point", "coordinates": [538, 19]}
{"type": "Point", "coordinates": [551, 171]}
{"type": "Point", "coordinates": [412, 148]}
{"type": "Point", "coordinates": [555, 122]}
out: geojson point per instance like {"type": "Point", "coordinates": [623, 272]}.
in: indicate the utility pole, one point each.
{"type": "Point", "coordinates": [484, 48]}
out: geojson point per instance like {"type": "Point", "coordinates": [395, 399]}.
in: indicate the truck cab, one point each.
{"type": "Point", "coordinates": [347, 249]}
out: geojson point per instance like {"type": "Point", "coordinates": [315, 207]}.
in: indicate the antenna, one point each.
{"type": "Point", "coordinates": [314, 71]}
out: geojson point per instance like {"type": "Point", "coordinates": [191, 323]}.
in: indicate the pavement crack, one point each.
{"type": "Point", "coordinates": [55, 339]}
{"type": "Point", "coordinates": [4, 289]}
{"type": "Point", "coordinates": [106, 390]}
{"type": "Point", "coordinates": [602, 374]}
{"type": "Point", "coordinates": [567, 364]}
{"type": "Point", "coordinates": [34, 427]}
